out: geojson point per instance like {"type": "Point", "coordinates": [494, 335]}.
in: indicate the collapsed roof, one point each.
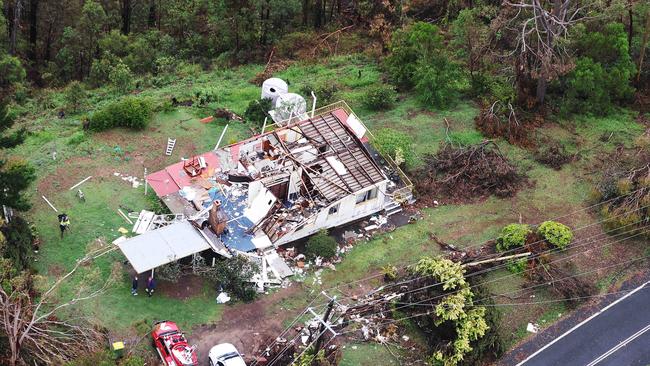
{"type": "Point", "coordinates": [269, 185]}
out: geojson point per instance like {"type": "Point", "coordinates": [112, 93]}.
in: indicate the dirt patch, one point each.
{"type": "Point", "coordinates": [247, 326]}
{"type": "Point", "coordinates": [55, 270]}
{"type": "Point", "coordinates": [188, 286]}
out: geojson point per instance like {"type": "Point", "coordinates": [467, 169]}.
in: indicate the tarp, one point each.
{"type": "Point", "coordinates": [167, 244]}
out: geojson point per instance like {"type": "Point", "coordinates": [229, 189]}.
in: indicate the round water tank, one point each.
{"type": "Point", "coordinates": [290, 105]}
{"type": "Point", "coordinates": [273, 87]}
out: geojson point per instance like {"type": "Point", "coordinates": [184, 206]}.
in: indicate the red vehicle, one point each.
{"type": "Point", "coordinates": [171, 345]}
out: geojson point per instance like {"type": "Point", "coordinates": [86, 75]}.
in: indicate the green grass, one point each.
{"type": "Point", "coordinates": [550, 193]}
{"type": "Point", "coordinates": [367, 354]}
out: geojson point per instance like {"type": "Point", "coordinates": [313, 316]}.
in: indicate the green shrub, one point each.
{"type": "Point", "coordinates": [438, 82]}
{"type": "Point", "coordinates": [407, 48]}
{"type": "Point", "coordinates": [512, 236]}
{"type": "Point", "coordinates": [75, 95]}
{"type": "Point", "coordinates": [556, 234]}
{"type": "Point", "coordinates": [390, 272]}
{"type": "Point", "coordinates": [326, 92]}
{"type": "Point", "coordinates": [121, 77]}
{"type": "Point", "coordinates": [396, 144]}
{"type": "Point", "coordinates": [517, 266]}
{"type": "Point", "coordinates": [602, 74]}
{"type": "Point", "coordinates": [321, 245]}
{"type": "Point", "coordinates": [130, 112]}
{"type": "Point", "coordinates": [76, 138]}
{"type": "Point", "coordinates": [257, 110]}
{"type": "Point", "coordinates": [380, 97]}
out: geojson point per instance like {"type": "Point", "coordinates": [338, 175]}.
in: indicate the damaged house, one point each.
{"type": "Point", "coordinates": [314, 171]}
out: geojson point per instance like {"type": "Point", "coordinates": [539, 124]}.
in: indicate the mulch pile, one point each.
{"type": "Point", "coordinates": [462, 174]}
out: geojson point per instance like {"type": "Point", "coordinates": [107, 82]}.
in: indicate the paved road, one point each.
{"type": "Point", "coordinates": [617, 335]}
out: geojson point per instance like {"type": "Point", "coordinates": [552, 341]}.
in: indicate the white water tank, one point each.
{"type": "Point", "coordinates": [273, 87]}
{"type": "Point", "coordinates": [289, 105]}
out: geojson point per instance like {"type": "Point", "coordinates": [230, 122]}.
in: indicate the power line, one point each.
{"type": "Point", "coordinates": [514, 274]}
{"type": "Point", "coordinates": [511, 274]}
{"type": "Point", "coordinates": [488, 297]}
{"type": "Point", "coordinates": [496, 255]}
{"type": "Point", "coordinates": [336, 287]}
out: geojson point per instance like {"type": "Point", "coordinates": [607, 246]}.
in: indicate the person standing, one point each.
{"type": "Point", "coordinates": [151, 285]}
{"type": "Point", "coordinates": [64, 223]}
{"type": "Point", "coordinates": [134, 286]}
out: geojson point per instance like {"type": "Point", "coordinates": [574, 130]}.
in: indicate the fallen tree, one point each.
{"type": "Point", "coordinates": [466, 173]}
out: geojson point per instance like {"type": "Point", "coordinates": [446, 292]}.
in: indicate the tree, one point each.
{"type": "Point", "coordinates": [74, 95]}
{"type": "Point", "coordinates": [11, 73]}
{"type": "Point", "coordinates": [543, 28]}
{"type": "Point", "coordinates": [234, 276]}
{"type": "Point", "coordinates": [17, 239]}
{"type": "Point", "coordinates": [454, 314]}
{"type": "Point", "coordinates": [418, 60]}
{"type": "Point", "coordinates": [30, 322]}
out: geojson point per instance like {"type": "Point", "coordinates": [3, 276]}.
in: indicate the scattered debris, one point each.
{"type": "Point", "coordinates": [171, 143]}
{"type": "Point", "coordinates": [49, 203]}
{"type": "Point", "coordinates": [80, 183]}
{"type": "Point", "coordinates": [125, 218]}
{"type": "Point", "coordinates": [227, 114]}
{"type": "Point", "coordinates": [222, 298]}
{"type": "Point", "coordinates": [532, 328]}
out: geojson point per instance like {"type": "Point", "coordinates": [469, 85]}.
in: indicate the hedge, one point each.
{"type": "Point", "coordinates": [130, 112]}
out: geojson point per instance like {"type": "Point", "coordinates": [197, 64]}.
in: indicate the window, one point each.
{"type": "Point", "coordinates": [334, 209]}
{"type": "Point", "coordinates": [367, 195]}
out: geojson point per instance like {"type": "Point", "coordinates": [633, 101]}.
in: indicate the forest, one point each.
{"type": "Point", "coordinates": [503, 114]}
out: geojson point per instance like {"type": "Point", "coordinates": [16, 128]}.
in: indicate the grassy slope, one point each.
{"type": "Point", "coordinates": [552, 194]}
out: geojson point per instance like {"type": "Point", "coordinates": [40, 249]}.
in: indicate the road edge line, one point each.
{"type": "Point", "coordinates": [583, 322]}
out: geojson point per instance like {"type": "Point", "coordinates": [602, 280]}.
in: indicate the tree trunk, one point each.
{"type": "Point", "coordinates": [318, 14]}
{"type": "Point", "coordinates": [126, 16]}
{"type": "Point", "coordinates": [14, 27]}
{"type": "Point", "coordinates": [305, 12]}
{"type": "Point", "coordinates": [33, 28]}
{"type": "Point", "coordinates": [630, 30]}
{"type": "Point", "coordinates": [151, 21]}
{"type": "Point", "coordinates": [644, 44]}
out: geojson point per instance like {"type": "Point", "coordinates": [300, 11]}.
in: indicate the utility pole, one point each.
{"type": "Point", "coordinates": [323, 325]}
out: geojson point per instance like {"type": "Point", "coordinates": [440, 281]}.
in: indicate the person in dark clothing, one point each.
{"type": "Point", "coordinates": [151, 285]}
{"type": "Point", "coordinates": [64, 223]}
{"type": "Point", "coordinates": [134, 286]}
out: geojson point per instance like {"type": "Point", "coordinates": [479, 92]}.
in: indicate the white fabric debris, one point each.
{"type": "Point", "coordinates": [223, 298]}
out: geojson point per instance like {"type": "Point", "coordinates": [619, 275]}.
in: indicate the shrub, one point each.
{"type": "Point", "coordinates": [257, 110]}
{"type": "Point", "coordinates": [327, 92]}
{"type": "Point", "coordinates": [408, 46]}
{"type": "Point", "coordinates": [517, 266]}
{"type": "Point", "coordinates": [556, 234]}
{"type": "Point", "coordinates": [321, 245]}
{"type": "Point", "coordinates": [130, 112]}
{"type": "Point", "coordinates": [390, 272]}
{"type": "Point", "coordinates": [74, 95]}
{"type": "Point", "coordinates": [438, 82]}
{"type": "Point", "coordinates": [380, 97]}
{"type": "Point", "coordinates": [603, 71]}
{"type": "Point", "coordinates": [76, 138]}
{"type": "Point", "coordinates": [234, 275]}
{"type": "Point", "coordinates": [395, 144]}
{"type": "Point", "coordinates": [512, 236]}
{"type": "Point", "coordinates": [121, 77]}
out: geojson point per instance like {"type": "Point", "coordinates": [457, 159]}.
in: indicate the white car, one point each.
{"type": "Point", "coordinates": [225, 354]}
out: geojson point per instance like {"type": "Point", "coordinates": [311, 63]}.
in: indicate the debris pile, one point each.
{"type": "Point", "coordinates": [499, 120]}
{"type": "Point", "coordinates": [135, 181]}
{"type": "Point", "coordinates": [466, 173]}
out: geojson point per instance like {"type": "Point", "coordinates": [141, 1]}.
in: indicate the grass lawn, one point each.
{"type": "Point", "coordinates": [550, 193]}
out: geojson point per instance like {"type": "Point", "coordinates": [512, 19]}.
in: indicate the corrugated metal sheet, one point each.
{"type": "Point", "coordinates": [155, 248]}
